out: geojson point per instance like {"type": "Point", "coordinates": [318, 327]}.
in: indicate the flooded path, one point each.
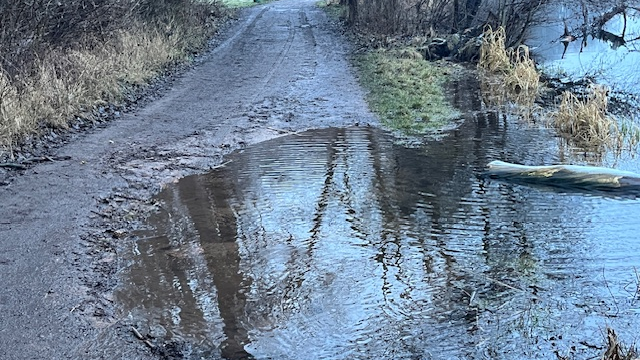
{"type": "Point", "coordinates": [344, 244]}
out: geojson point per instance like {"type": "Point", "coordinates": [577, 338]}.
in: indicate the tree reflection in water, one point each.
{"type": "Point", "coordinates": [341, 243]}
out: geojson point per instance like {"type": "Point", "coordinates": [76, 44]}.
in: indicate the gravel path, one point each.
{"type": "Point", "coordinates": [281, 68]}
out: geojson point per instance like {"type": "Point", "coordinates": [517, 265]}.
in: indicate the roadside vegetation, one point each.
{"type": "Point", "coordinates": [241, 3]}
{"type": "Point", "coordinates": [406, 91]}
{"type": "Point", "coordinates": [67, 60]}
{"type": "Point", "coordinates": [583, 119]}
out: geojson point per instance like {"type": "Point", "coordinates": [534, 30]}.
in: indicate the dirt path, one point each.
{"type": "Point", "coordinates": [280, 68]}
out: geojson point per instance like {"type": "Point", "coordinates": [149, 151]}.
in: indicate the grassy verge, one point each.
{"type": "Point", "coordinates": [405, 91]}
{"type": "Point", "coordinates": [56, 82]}
{"type": "Point", "coordinates": [240, 3]}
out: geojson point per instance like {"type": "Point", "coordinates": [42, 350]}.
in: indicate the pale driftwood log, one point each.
{"type": "Point", "coordinates": [566, 176]}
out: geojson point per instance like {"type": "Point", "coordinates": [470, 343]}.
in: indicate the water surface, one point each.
{"type": "Point", "coordinates": [345, 244]}
{"type": "Point", "coordinates": [607, 55]}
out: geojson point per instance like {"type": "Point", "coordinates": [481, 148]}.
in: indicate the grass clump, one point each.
{"type": "Point", "coordinates": [617, 351]}
{"type": "Point", "coordinates": [522, 77]}
{"type": "Point", "coordinates": [405, 91]}
{"type": "Point", "coordinates": [519, 71]}
{"type": "Point", "coordinates": [493, 54]}
{"type": "Point", "coordinates": [587, 121]}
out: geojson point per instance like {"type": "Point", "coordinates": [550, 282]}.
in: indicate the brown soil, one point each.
{"type": "Point", "coordinates": [280, 68]}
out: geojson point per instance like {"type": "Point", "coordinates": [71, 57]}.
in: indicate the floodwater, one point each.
{"type": "Point", "coordinates": [608, 55]}
{"type": "Point", "coordinates": [345, 244]}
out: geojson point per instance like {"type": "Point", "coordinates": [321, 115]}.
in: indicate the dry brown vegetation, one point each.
{"type": "Point", "coordinates": [617, 351]}
{"type": "Point", "coordinates": [512, 73]}
{"type": "Point", "coordinates": [519, 70]}
{"type": "Point", "coordinates": [62, 60]}
{"type": "Point", "coordinates": [493, 53]}
{"type": "Point", "coordinates": [420, 17]}
{"type": "Point", "coordinates": [587, 122]}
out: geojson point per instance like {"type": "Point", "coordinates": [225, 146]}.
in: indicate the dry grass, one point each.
{"type": "Point", "coordinates": [616, 351]}
{"type": "Point", "coordinates": [62, 84]}
{"type": "Point", "coordinates": [585, 120]}
{"type": "Point", "coordinates": [493, 54]}
{"type": "Point", "coordinates": [522, 76]}
{"type": "Point", "coordinates": [518, 78]}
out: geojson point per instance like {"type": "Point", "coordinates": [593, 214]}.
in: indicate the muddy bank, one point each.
{"type": "Point", "coordinates": [280, 68]}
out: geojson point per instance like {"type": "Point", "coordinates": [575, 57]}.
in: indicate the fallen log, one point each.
{"type": "Point", "coordinates": [578, 177]}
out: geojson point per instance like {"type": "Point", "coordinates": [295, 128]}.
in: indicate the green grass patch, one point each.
{"type": "Point", "coordinates": [406, 92]}
{"type": "Point", "coordinates": [237, 4]}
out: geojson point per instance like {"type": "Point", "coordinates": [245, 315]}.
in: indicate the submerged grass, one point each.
{"type": "Point", "coordinates": [405, 91]}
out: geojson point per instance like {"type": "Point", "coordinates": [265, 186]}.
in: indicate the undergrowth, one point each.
{"type": "Point", "coordinates": [49, 82]}
{"type": "Point", "coordinates": [333, 8]}
{"type": "Point", "coordinates": [585, 121]}
{"type": "Point", "coordinates": [404, 90]}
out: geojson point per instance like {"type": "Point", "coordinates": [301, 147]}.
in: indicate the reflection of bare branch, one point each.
{"type": "Point", "coordinates": [619, 9]}
{"type": "Point", "coordinates": [634, 39]}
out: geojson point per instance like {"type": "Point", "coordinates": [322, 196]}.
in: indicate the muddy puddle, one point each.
{"type": "Point", "coordinates": [345, 244]}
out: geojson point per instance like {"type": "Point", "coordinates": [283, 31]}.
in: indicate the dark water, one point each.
{"type": "Point", "coordinates": [343, 244]}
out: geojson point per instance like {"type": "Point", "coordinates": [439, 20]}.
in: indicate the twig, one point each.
{"type": "Point", "coordinates": [137, 333]}
{"type": "Point", "coordinates": [606, 284]}
{"type": "Point", "coordinates": [14, 166]}
{"type": "Point", "coordinates": [142, 338]}
{"type": "Point", "coordinates": [22, 164]}
{"type": "Point", "coordinates": [221, 165]}
{"type": "Point", "coordinates": [510, 287]}
{"type": "Point", "coordinates": [98, 213]}
{"type": "Point", "coordinates": [284, 131]}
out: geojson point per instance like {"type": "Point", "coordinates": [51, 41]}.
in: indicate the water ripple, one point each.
{"type": "Point", "coordinates": [341, 244]}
